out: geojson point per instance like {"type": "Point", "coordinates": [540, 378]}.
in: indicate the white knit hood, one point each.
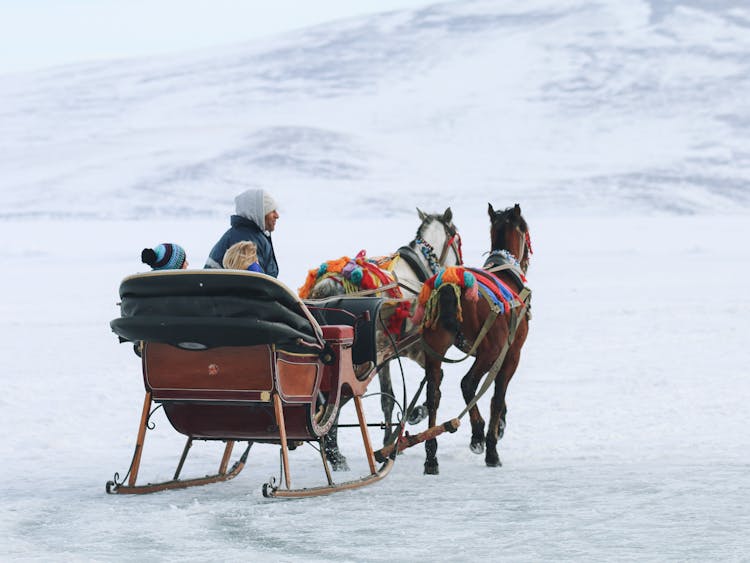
{"type": "Point", "coordinates": [249, 204]}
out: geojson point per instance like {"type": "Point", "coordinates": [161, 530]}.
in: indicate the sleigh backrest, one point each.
{"type": "Point", "coordinates": [218, 346]}
{"type": "Point", "coordinates": [197, 310]}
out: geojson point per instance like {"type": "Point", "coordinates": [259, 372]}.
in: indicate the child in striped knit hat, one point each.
{"type": "Point", "coordinates": [165, 256]}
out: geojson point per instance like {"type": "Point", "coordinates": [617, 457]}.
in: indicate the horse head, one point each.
{"type": "Point", "coordinates": [438, 240]}
{"type": "Point", "coordinates": [510, 232]}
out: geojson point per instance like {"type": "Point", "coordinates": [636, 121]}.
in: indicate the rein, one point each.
{"type": "Point", "coordinates": [363, 292]}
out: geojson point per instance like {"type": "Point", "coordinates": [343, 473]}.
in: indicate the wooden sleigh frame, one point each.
{"type": "Point", "coordinates": [235, 357]}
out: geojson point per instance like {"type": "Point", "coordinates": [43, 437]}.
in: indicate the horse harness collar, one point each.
{"type": "Point", "coordinates": [500, 260]}
{"type": "Point", "coordinates": [412, 258]}
{"type": "Point", "coordinates": [427, 252]}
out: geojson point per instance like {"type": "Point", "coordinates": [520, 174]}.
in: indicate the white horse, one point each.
{"type": "Point", "coordinates": [436, 245]}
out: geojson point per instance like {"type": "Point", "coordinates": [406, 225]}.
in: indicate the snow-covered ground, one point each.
{"type": "Point", "coordinates": [628, 417]}
{"type": "Point", "coordinates": [622, 130]}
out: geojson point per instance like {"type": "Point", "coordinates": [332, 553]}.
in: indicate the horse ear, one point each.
{"type": "Point", "coordinates": [422, 214]}
{"type": "Point", "coordinates": [448, 215]}
{"type": "Point", "coordinates": [490, 210]}
{"type": "Point", "coordinates": [517, 210]}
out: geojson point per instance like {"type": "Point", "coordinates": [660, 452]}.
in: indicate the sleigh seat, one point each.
{"type": "Point", "coordinates": [234, 356]}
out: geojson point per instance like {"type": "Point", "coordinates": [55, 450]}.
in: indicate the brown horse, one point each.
{"type": "Point", "coordinates": [493, 329]}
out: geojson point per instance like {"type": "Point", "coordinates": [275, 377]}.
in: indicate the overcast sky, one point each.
{"type": "Point", "coordinates": [40, 33]}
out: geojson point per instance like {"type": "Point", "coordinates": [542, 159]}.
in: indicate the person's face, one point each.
{"type": "Point", "coordinates": [184, 265]}
{"type": "Point", "coordinates": [270, 219]}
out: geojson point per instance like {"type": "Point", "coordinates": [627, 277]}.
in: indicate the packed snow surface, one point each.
{"type": "Point", "coordinates": [622, 129]}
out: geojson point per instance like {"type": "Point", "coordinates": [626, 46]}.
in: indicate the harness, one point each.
{"type": "Point", "coordinates": [452, 241]}
{"type": "Point", "coordinates": [412, 258]}
{"type": "Point", "coordinates": [502, 260]}
{"type": "Point", "coordinates": [427, 251]}
{"type": "Point", "coordinates": [360, 275]}
{"type": "Point", "coordinates": [518, 304]}
{"type": "Point", "coordinates": [525, 301]}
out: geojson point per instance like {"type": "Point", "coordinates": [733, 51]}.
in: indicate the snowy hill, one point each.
{"type": "Point", "coordinates": [598, 106]}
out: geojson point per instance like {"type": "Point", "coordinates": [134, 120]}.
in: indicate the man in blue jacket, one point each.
{"type": "Point", "coordinates": [254, 220]}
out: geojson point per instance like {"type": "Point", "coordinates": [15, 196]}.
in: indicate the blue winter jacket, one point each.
{"type": "Point", "coordinates": [245, 229]}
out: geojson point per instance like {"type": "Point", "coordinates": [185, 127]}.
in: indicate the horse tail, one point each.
{"type": "Point", "coordinates": [449, 307]}
{"type": "Point", "coordinates": [440, 298]}
{"type": "Point", "coordinates": [440, 307]}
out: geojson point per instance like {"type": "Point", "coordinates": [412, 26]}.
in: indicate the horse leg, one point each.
{"type": "Point", "coordinates": [501, 426]}
{"type": "Point", "coordinates": [498, 410]}
{"type": "Point", "coordinates": [498, 406]}
{"type": "Point", "coordinates": [469, 384]}
{"type": "Point", "coordinates": [435, 376]}
{"type": "Point", "coordinates": [330, 443]}
{"type": "Point", "coordinates": [386, 400]}
{"type": "Point", "coordinates": [496, 428]}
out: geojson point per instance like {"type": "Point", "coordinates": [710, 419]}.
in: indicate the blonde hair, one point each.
{"type": "Point", "coordinates": [240, 255]}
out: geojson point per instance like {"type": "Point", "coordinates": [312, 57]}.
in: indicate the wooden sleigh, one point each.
{"type": "Point", "coordinates": [237, 357]}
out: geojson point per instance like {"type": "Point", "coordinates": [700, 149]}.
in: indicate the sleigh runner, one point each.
{"type": "Point", "coordinates": [237, 357]}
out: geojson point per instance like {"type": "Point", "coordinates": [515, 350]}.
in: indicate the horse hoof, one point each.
{"type": "Point", "coordinates": [340, 465]}
{"type": "Point", "coordinates": [493, 461]}
{"type": "Point", "coordinates": [417, 415]}
{"type": "Point", "coordinates": [337, 461]}
{"type": "Point", "coordinates": [431, 468]}
{"type": "Point", "coordinates": [477, 447]}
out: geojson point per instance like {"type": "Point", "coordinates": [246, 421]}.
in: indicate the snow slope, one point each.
{"type": "Point", "coordinates": [565, 103]}
{"type": "Point", "coordinates": [621, 129]}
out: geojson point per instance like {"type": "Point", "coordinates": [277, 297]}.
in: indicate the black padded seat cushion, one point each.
{"type": "Point", "coordinates": [209, 308]}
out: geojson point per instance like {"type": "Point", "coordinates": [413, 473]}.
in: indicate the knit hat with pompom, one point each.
{"type": "Point", "coordinates": [166, 256]}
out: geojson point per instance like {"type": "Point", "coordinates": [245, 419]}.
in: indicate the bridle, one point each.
{"type": "Point", "coordinates": [452, 241]}
{"type": "Point", "coordinates": [524, 240]}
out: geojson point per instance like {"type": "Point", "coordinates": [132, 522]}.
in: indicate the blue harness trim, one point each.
{"type": "Point", "coordinates": [501, 287]}
{"type": "Point", "coordinates": [491, 293]}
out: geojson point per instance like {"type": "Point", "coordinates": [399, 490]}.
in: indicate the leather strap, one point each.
{"type": "Point", "coordinates": [412, 258]}
{"type": "Point", "coordinates": [494, 312]}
